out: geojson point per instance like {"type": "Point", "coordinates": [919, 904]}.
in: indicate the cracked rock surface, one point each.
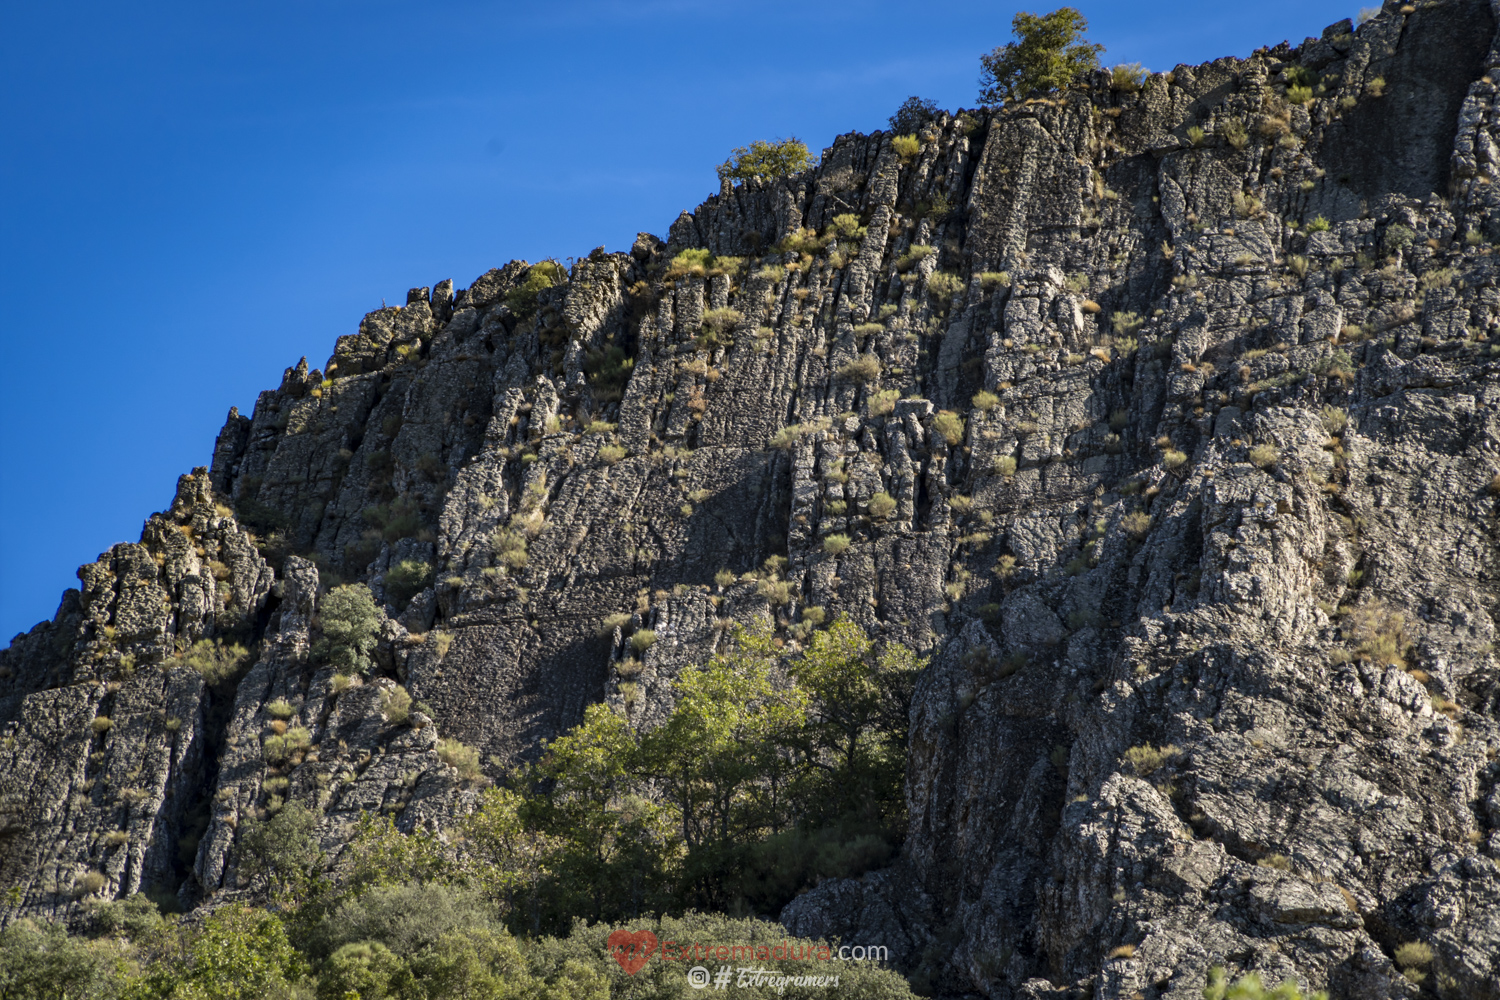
{"type": "Point", "coordinates": [1180, 458]}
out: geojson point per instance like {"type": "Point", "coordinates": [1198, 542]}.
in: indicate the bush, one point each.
{"type": "Point", "coordinates": [692, 261]}
{"type": "Point", "coordinates": [284, 849]}
{"type": "Point", "coordinates": [351, 628]}
{"type": "Point", "coordinates": [277, 749]}
{"type": "Point", "coordinates": [788, 436]}
{"type": "Point", "coordinates": [611, 454]}
{"type": "Point", "coordinates": [1250, 987]}
{"type": "Point", "coordinates": [1004, 465]}
{"type": "Point", "coordinates": [865, 368]}
{"type": "Point", "coordinates": [882, 504]}
{"type": "Point", "coordinates": [395, 705]}
{"type": "Point", "coordinates": [907, 147]}
{"type": "Point", "coordinates": [509, 546]}
{"type": "Point", "coordinates": [1136, 523]}
{"type": "Point", "coordinates": [1128, 77]}
{"type": "Point", "coordinates": [883, 403]}
{"type": "Point", "coordinates": [1414, 954]}
{"type": "Point", "coordinates": [993, 279]}
{"type": "Point", "coordinates": [406, 919]}
{"type": "Point", "coordinates": [522, 299]}
{"type": "Point", "coordinates": [767, 159]}
{"type": "Point", "coordinates": [281, 709]}
{"type": "Point", "coordinates": [642, 639]}
{"type": "Point", "coordinates": [1263, 456]}
{"type": "Point", "coordinates": [368, 970]}
{"type": "Point", "coordinates": [215, 660]}
{"type": "Point", "coordinates": [1048, 53]}
{"type": "Point", "coordinates": [836, 544]}
{"type": "Point", "coordinates": [101, 724]}
{"type": "Point", "coordinates": [950, 425]}
{"type": "Point", "coordinates": [89, 883]}
{"type": "Point", "coordinates": [1147, 758]}
{"type": "Point", "coordinates": [917, 253]}
{"type": "Point", "coordinates": [464, 759]}
{"type": "Point", "coordinates": [720, 320]}
{"type": "Point", "coordinates": [985, 401]}
{"type": "Point", "coordinates": [1172, 458]}
{"type": "Point", "coordinates": [406, 579]}
{"type": "Point", "coordinates": [942, 285]}
{"type": "Point", "coordinates": [40, 961]}
{"type": "Point", "coordinates": [913, 113]}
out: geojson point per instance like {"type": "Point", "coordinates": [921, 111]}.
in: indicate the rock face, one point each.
{"type": "Point", "coordinates": [1183, 400]}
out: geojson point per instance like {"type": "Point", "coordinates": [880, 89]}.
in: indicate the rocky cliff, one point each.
{"type": "Point", "coordinates": [1163, 417]}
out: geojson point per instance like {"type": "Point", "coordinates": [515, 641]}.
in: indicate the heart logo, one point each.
{"type": "Point", "coordinates": [632, 949]}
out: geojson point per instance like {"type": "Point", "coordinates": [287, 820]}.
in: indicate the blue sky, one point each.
{"type": "Point", "coordinates": [196, 195]}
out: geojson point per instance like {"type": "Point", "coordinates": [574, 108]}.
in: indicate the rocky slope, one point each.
{"type": "Point", "coordinates": [1207, 575]}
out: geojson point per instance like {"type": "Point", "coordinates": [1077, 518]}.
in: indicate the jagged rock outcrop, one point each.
{"type": "Point", "coordinates": [1207, 574]}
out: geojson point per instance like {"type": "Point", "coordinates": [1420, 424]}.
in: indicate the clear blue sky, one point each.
{"type": "Point", "coordinates": [197, 194]}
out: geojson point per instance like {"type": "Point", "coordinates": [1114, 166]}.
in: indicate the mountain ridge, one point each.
{"type": "Point", "coordinates": [1183, 397]}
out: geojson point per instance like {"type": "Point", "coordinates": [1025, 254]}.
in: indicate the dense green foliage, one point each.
{"type": "Point", "coordinates": [1047, 54]}
{"type": "Point", "coordinates": [522, 299]}
{"type": "Point", "coordinates": [773, 770]}
{"type": "Point", "coordinates": [913, 113]}
{"type": "Point", "coordinates": [420, 942]}
{"type": "Point", "coordinates": [351, 628]}
{"type": "Point", "coordinates": [770, 773]}
{"type": "Point", "coordinates": [767, 159]}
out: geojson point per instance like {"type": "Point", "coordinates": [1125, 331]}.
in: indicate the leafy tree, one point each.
{"type": "Point", "coordinates": [767, 159]}
{"type": "Point", "coordinates": [913, 113]}
{"type": "Point", "coordinates": [857, 722]}
{"type": "Point", "coordinates": [39, 961]}
{"type": "Point", "coordinates": [614, 839]}
{"type": "Point", "coordinates": [721, 758]}
{"type": "Point", "coordinates": [368, 969]}
{"type": "Point", "coordinates": [403, 918]}
{"type": "Point", "coordinates": [380, 855]}
{"type": "Point", "coordinates": [240, 953]}
{"type": "Point", "coordinates": [513, 854]}
{"type": "Point", "coordinates": [283, 851]}
{"type": "Point", "coordinates": [1048, 53]}
{"type": "Point", "coordinates": [351, 628]}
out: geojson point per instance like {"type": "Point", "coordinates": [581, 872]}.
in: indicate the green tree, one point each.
{"type": "Point", "coordinates": [767, 159]}
{"type": "Point", "coordinates": [351, 628]}
{"type": "Point", "coordinates": [513, 854]}
{"type": "Point", "coordinates": [614, 843]}
{"type": "Point", "coordinates": [857, 721]}
{"type": "Point", "coordinates": [1048, 53]}
{"type": "Point", "coordinates": [913, 113]}
{"type": "Point", "coordinates": [39, 961]}
{"type": "Point", "coordinates": [283, 851]}
{"type": "Point", "coordinates": [240, 953]}
{"type": "Point", "coordinates": [367, 969]}
{"type": "Point", "coordinates": [722, 759]}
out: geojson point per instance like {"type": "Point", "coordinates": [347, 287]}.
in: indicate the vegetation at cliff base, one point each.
{"type": "Point", "coordinates": [1049, 51]}
{"type": "Point", "coordinates": [772, 771]}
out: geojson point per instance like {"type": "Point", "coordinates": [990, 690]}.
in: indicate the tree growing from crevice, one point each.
{"type": "Point", "coordinates": [1049, 51]}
